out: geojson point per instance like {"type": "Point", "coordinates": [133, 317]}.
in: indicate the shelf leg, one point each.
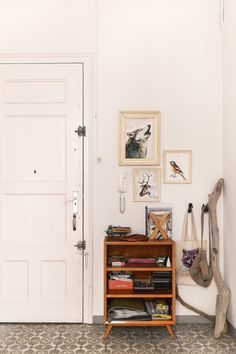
{"type": "Point", "coordinates": [169, 329]}
{"type": "Point", "coordinates": [107, 330]}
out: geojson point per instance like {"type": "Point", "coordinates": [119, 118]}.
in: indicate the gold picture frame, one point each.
{"type": "Point", "coordinates": [139, 138]}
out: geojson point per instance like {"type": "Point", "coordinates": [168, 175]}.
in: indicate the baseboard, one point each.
{"type": "Point", "coordinates": [98, 320]}
{"type": "Point", "coordinates": [191, 319]}
{"type": "Point", "coordinates": [232, 330]}
{"type": "Point", "coordinates": [179, 319]}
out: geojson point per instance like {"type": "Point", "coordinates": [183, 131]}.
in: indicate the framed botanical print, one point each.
{"type": "Point", "coordinates": [147, 184]}
{"type": "Point", "coordinates": [177, 166]}
{"type": "Point", "coordinates": [139, 138]}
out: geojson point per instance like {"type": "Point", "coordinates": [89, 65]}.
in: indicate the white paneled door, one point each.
{"type": "Point", "coordinates": [41, 156]}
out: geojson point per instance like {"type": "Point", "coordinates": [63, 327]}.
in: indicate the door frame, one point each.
{"type": "Point", "coordinates": [87, 62]}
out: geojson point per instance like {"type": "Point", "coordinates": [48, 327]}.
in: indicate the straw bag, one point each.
{"type": "Point", "coordinates": [200, 271]}
{"type": "Point", "coordinates": [187, 250]}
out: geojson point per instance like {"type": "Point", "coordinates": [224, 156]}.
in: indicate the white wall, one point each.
{"type": "Point", "coordinates": [47, 26]}
{"type": "Point", "coordinates": [229, 147]}
{"type": "Point", "coordinates": [152, 55]}
{"type": "Point", "coordinates": [159, 55]}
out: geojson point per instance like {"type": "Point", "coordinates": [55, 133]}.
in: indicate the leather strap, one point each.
{"type": "Point", "coordinates": [204, 210]}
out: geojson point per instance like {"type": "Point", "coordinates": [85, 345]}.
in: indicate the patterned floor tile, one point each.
{"type": "Point", "coordinates": [88, 339]}
{"type": "Point", "coordinates": [118, 351]}
{"type": "Point", "coordinates": [96, 346]}
{"type": "Point", "coordinates": [143, 350]}
{"type": "Point", "coordinates": [68, 348]}
{"type": "Point", "coordinates": [17, 349]}
{"type": "Point", "coordinates": [42, 351]}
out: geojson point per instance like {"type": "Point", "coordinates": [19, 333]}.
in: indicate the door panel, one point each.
{"type": "Point", "coordinates": [44, 147]}
{"type": "Point", "coordinates": [41, 105]}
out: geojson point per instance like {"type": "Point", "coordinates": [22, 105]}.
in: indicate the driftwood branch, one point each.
{"type": "Point", "coordinates": [192, 308]}
{"type": "Point", "coordinates": [223, 297]}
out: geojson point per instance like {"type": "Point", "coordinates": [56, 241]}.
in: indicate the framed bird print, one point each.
{"type": "Point", "coordinates": [177, 166]}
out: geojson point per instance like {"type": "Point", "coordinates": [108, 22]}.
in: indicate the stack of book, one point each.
{"type": "Point", "coordinates": [116, 261]}
{"type": "Point", "coordinates": [162, 280]}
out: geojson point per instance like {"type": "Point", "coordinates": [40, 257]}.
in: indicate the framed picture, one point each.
{"type": "Point", "coordinates": [177, 166]}
{"type": "Point", "coordinates": [139, 138]}
{"type": "Point", "coordinates": [147, 184]}
{"type": "Point", "coordinates": [159, 212]}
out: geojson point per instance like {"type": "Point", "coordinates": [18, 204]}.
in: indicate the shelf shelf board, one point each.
{"type": "Point", "coordinates": [115, 241]}
{"type": "Point", "coordinates": [140, 267]}
{"type": "Point", "coordinates": [141, 323]}
{"type": "Point", "coordinates": [130, 293]}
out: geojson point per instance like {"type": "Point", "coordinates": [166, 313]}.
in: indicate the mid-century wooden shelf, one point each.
{"type": "Point", "coordinates": [150, 249]}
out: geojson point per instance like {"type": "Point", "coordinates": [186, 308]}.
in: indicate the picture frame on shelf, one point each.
{"type": "Point", "coordinates": [147, 184]}
{"type": "Point", "coordinates": [177, 166]}
{"type": "Point", "coordinates": [159, 212]}
{"type": "Point", "coordinates": [139, 138]}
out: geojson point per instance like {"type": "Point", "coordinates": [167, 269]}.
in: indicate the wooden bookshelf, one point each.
{"type": "Point", "coordinates": [149, 249]}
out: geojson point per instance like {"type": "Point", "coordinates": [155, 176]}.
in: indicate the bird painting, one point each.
{"type": "Point", "coordinates": [176, 170]}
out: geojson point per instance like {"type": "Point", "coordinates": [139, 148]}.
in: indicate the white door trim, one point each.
{"type": "Point", "coordinates": [88, 77]}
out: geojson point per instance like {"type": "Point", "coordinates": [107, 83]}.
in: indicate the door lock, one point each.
{"type": "Point", "coordinates": [81, 245]}
{"type": "Point", "coordinates": [75, 209]}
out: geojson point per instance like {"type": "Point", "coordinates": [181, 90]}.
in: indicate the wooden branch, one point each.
{"type": "Point", "coordinates": [223, 297]}
{"type": "Point", "coordinates": [190, 307]}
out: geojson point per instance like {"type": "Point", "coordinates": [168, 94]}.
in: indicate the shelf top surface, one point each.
{"type": "Point", "coordinates": [116, 241]}
{"type": "Point", "coordinates": [140, 267]}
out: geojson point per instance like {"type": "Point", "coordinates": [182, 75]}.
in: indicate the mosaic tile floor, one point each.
{"type": "Point", "coordinates": [72, 338]}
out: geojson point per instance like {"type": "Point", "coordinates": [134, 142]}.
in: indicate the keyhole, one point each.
{"type": "Point", "coordinates": [35, 171]}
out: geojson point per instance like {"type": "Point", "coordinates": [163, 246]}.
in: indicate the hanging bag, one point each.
{"type": "Point", "coordinates": [200, 271]}
{"type": "Point", "coordinates": [187, 249]}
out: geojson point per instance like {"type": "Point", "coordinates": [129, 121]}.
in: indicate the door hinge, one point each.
{"type": "Point", "coordinates": [81, 130]}
{"type": "Point", "coordinates": [81, 245]}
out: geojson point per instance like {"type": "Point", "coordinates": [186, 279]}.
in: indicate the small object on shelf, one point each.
{"type": "Point", "coordinates": [118, 264]}
{"type": "Point", "coordinates": [158, 309]}
{"type": "Point", "coordinates": [162, 280]}
{"type": "Point", "coordinates": [142, 260]}
{"type": "Point", "coordinates": [168, 263]}
{"type": "Point", "coordinates": [120, 284]}
{"type": "Point", "coordinates": [161, 261]}
{"type": "Point", "coordinates": [134, 238]}
{"type": "Point", "coordinates": [159, 212]}
{"type": "Point", "coordinates": [128, 310]}
{"type": "Point", "coordinates": [114, 259]}
{"type": "Point", "coordinates": [120, 275]}
{"type": "Point", "coordinates": [117, 230]}
{"type": "Point", "coordinates": [159, 231]}
{"type": "Point", "coordinates": [143, 284]}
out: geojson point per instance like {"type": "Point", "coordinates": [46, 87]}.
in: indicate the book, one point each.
{"type": "Point", "coordinates": [118, 264]}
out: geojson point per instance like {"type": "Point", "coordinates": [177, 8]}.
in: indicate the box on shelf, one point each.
{"type": "Point", "coordinates": [120, 284]}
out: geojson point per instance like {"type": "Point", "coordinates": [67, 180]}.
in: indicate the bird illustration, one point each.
{"type": "Point", "coordinates": [176, 170]}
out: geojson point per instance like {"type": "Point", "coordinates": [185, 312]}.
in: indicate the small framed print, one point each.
{"type": "Point", "coordinates": [147, 184]}
{"type": "Point", "coordinates": [177, 166]}
{"type": "Point", "coordinates": [139, 138]}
